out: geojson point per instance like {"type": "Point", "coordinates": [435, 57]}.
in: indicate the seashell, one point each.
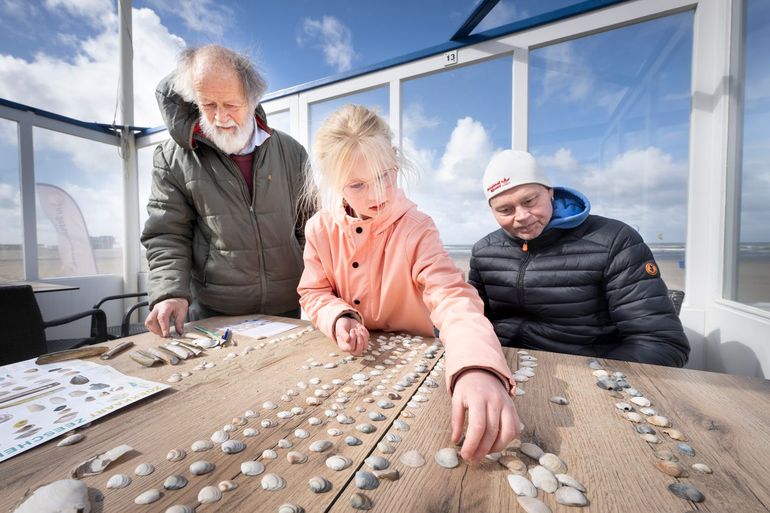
{"type": "Point", "coordinates": [666, 455]}
{"type": "Point", "coordinates": [543, 479]}
{"type": "Point", "coordinates": [648, 411]}
{"type": "Point", "coordinates": [209, 494]}
{"type": "Point", "coordinates": [531, 450]}
{"type": "Point", "coordinates": [447, 457]}
{"type": "Point", "coordinates": [230, 428]}
{"type": "Point", "coordinates": [390, 474]}
{"type": "Point", "coordinates": [644, 429]}
{"type": "Point", "coordinates": [290, 508]}
{"type": "Point", "coordinates": [269, 405]}
{"type": "Point", "coordinates": [227, 485]}
{"type": "Point", "coordinates": [319, 484]}
{"type": "Point", "coordinates": [400, 425]}
{"type": "Point", "coordinates": [301, 433]}
{"type": "Point", "coordinates": [624, 406]}
{"type": "Point", "coordinates": [175, 482]}
{"type": "Point", "coordinates": [557, 399]}
{"type": "Point", "coordinates": [569, 496]}
{"type": "Point", "coordinates": [269, 454]}
{"type": "Point", "coordinates": [233, 446]}
{"type": "Point", "coordinates": [686, 491]}
{"type": "Point", "coordinates": [385, 405]}
{"type": "Point", "coordinates": [252, 468]}
{"type": "Point", "coordinates": [412, 459]}
{"type": "Point", "coordinates": [118, 481]}
{"type": "Point", "coordinates": [650, 438]}
{"type": "Point", "coordinates": [98, 464]}
{"type": "Point", "coordinates": [360, 501]}
{"type": "Point", "coordinates": [377, 462]}
{"type": "Point", "coordinates": [657, 420]}
{"type": "Point", "coordinates": [591, 362]}
{"type": "Point", "coordinates": [702, 468]}
{"type": "Point", "coordinates": [675, 434]}
{"type": "Point", "coordinates": [176, 455]}
{"type": "Point", "coordinates": [251, 414]}
{"type": "Point", "coordinates": [200, 467]}
{"type": "Point", "coordinates": [71, 440]}
{"type": "Point", "coordinates": [376, 416]}
{"type": "Point", "coordinates": [685, 449]}
{"type": "Point", "coordinates": [632, 392]}
{"type": "Point", "coordinates": [180, 508]}
{"type": "Point", "coordinates": [312, 401]}
{"type": "Point", "coordinates": [407, 414]}
{"type": "Point", "coordinates": [385, 448]}
{"type": "Point", "coordinates": [366, 428]}
{"type": "Point", "coordinates": [60, 496]}
{"type": "Point", "coordinates": [393, 395]}
{"type": "Point", "coordinates": [144, 469]}
{"type": "Point", "coordinates": [393, 438]}
{"type": "Point", "coordinates": [320, 445]}
{"type": "Point", "coordinates": [521, 485]}
{"type": "Point", "coordinates": [568, 480]}
{"type": "Point", "coordinates": [634, 417]}
{"type": "Point", "coordinates": [249, 432]}
{"type": "Point", "coordinates": [283, 443]}
{"type": "Point", "coordinates": [338, 462]}
{"type": "Point", "coordinates": [148, 497]}
{"type": "Point", "coordinates": [672, 468]}
{"type": "Point", "coordinates": [553, 463]}
{"type": "Point", "coordinates": [201, 445]}
{"type": "Point", "coordinates": [513, 464]}
{"type": "Point", "coordinates": [296, 457]}
{"type": "Point", "coordinates": [344, 419]}
{"type": "Point", "coordinates": [268, 423]}
{"type": "Point", "coordinates": [272, 482]}
{"type": "Point", "coordinates": [532, 504]}
{"type": "Point", "coordinates": [334, 431]}
{"type": "Point", "coordinates": [352, 440]}
{"type": "Point", "coordinates": [366, 480]}
{"type": "Point", "coordinates": [641, 401]}
{"type": "Point", "coordinates": [284, 414]}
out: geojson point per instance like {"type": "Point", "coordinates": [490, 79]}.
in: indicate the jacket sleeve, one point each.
{"type": "Point", "coordinates": [474, 278]}
{"type": "Point", "coordinates": [639, 305]}
{"type": "Point", "coordinates": [317, 295]}
{"type": "Point", "coordinates": [456, 309]}
{"type": "Point", "coordinates": [168, 235]}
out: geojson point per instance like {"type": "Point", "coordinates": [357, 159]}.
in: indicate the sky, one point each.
{"type": "Point", "coordinates": [608, 113]}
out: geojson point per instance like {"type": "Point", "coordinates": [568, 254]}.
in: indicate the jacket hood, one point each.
{"type": "Point", "coordinates": [570, 208]}
{"type": "Point", "coordinates": [399, 206]}
{"type": "Point", "coordinates": [181, 117]}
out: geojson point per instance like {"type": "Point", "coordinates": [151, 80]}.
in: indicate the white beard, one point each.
{"type": "Point", "coordinates": [229, 143]}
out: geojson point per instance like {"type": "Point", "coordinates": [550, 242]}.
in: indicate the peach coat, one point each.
{"type": "Point", "coordinates": [393, 273]}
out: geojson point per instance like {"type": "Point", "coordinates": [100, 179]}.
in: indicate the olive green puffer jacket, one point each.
{"type": "Point", "coordinates": [205, 238]}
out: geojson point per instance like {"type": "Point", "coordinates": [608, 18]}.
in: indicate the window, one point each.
{"type": "Point", "coordinates": [280, 120]}
{"type": "Point", "coordinates": [508, 11]}
{"type": "Point", "coordinates": [79, 199]}
{"type": "Point", "coordinates": [11, 234]}
{"type": "Point", "coordinates": [749, 281]}
{"type": "Point", "coordinates": [609, 116]}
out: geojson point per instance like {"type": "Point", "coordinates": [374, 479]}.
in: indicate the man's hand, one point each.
{"type": "Point", "coordinates": [159, 320]}
{"type": "Point", "coordinates": [492, 418]}
{"type": "Point", "coordinates": [352, 336]}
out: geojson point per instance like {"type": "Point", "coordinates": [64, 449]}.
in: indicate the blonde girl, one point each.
{"type": "Point", "coordinates": [374, 262]}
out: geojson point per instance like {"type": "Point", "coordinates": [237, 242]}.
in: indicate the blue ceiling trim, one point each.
{"type": "Point", "coordinates": [474, 19]}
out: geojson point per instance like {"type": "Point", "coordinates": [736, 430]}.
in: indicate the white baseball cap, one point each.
{"type": "Point", "coordinates": [511, 168]}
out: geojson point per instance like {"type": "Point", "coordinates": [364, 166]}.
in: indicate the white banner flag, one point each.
{"type": "Point", "coordinates": [77, 257]}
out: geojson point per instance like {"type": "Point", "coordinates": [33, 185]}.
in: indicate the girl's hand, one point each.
{"type": "Point", "coordinates": [352, 336]}
{"type": "Point", "coordinates": [492, 418]}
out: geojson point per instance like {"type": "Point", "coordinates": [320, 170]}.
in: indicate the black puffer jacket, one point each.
{"type": "Point", "coordinates": [589, 287]}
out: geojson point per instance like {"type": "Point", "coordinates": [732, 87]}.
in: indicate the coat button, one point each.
{"type": "Point", "coordinates": [356, 302]}
{"type": "Point", "coordinates": [355, 265]}
{"type": "Point", "coordinates": [359, 230]}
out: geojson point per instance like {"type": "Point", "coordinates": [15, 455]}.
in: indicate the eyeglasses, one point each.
{"type": "Point", "coordinates": [386, 180]}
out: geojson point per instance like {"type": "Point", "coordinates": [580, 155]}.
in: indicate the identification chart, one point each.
{"type": "Point", "coordinates": [41, 402]}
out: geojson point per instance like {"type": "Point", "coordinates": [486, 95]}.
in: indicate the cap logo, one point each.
{"type": "Point", "coordinates": [651, 269]}
{"type": "Point", "coordinates": [500, 183]}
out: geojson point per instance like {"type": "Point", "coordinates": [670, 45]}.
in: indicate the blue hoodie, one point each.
{"type": "Point", "coordinates": [570, 208]}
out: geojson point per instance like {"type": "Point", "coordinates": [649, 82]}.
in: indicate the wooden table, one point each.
{"type": "Point", "coordinates": [726, 419]}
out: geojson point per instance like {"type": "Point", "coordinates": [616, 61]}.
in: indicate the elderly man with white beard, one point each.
{"type": "Point", "coordinates": [225, 233]}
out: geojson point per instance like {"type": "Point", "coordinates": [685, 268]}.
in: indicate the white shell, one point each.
{"type": "Point", "coordinates": [201, 445]}
{"type": "Point", "coordinates": [269, 454]}
{"type": "Point", "coordinates": [533, 505]}
{"type": "Point", "coordinates": [290, 508]}
{"type": "Point", "coordinates": [252, 468]}
{"type": "Point", "coordinates": [543, 478]}
{"type": "Point", "coordinates": [366, 428]}
{"type": "Point", "coordinates": [570, 496]}
{"type": "Point", "coordinates": [319, 484]}
{"type": "Point", "coordinates": [118, 481]}
{"type": "Point", "coordinates": [233, 446]}
{"type": "Point", "coordinates": [338, 462]}
{"type": "Point", "coordinates": [249, 432]}
{"type": "Point", "coordinates": [447, 457]}
{"type": "Point", "coordinates": [144, 469]}
{"type": "Point", "coordinates": [412, 459]}
{"type": "Point", "coordinates": [352, 440]}
{"type": "Point", "coordinates": [301, 433]}
{"type": "Point", "coordinates": [71, 440]}
{"type": "Point", "coordinates": [272, 482]}
{"type": "Point", "coordinates": [227, 485]}
{"type": "Point", "coordinates": [531, 450]}
{"type": "Point", "coordinates": [209, 494]}
{"type": "Point", "coordinates": [568, 480]}
{"type": "Point", "coordinates": [219, 437]}
{"type": "Point", "coordinates": [201, 467]}
{"type": "Point", "coordinates": [283, 443]}
{"type": "Point", "coordinates": [521, 485]}
{"type": "Point", "coordinates": [320, 445]}
{"type": "Point", "coordinates": [176, 455]}
{"type": "Point", "coordinates": [641, 401]}
{"type": "Point", "coordinates": [65, 496]}
{"type": "Point", "coordinates": [148, 497]}
{"type": "Point", "coordinates": [180, 508]}
{"type": "Point", "coordinates": [296, 457]}
{"type": "Point", "coordinates": [366, 480]}
{"type": "Point", "coordinates": [175, 482]}
{"type": "Point", "coordinates": [553, 463]}
{"type": "Point", "coordinates": [377, 462]}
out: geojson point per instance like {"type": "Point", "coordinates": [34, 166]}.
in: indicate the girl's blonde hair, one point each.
{"type": "Point", "coordinates": [352, 134]}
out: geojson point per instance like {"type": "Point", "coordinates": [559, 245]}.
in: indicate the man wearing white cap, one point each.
{"type": "Point", "coordinates": [555, 278]}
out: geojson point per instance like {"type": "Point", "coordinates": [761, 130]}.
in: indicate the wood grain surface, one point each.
{"type": "Point", "coordinates": [725, 418]}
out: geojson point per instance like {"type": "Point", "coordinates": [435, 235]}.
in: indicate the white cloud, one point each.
{"type": "Point", "coordinates": [466, 156]}
{"type": "Point", "coordinates": [414, 119]}
{"type": "Point", "coordinates": [562, 161]}
{"type": "Point", "coordinates": [204, 16]}
{"type": "Point", "coordinates": [98, 12]}
{"type": "Point", "coordinates": [566, 77]}
{"type": "Point", "coordinates": [333, 37]}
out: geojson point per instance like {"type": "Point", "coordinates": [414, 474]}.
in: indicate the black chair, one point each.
{"type": "Point", "coordinates": [677, 297]}
{"type": "Point", "coordinates": [126, 328]}
{"type": "Point", "coordinates": [24, 327]}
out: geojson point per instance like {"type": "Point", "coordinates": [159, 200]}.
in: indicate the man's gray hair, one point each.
{"type": "Point", "coordinates": [253, 84]}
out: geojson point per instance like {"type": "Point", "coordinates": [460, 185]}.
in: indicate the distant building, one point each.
{"type": "Point", "coordinates": [102, 242]}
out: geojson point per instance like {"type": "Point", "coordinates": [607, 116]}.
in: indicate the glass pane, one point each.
{"type": "Point", "coordinates": [144, 165]}
{"type": "Point", "coordinates": [11, 233]}
{"type": "Point", "coordinates": [452, 123]}
{"type": "Point", "coordinates": [609, 116]}
{"type": "Point", "coordinates": [377, 99]}
{"type": "Point", "coordinates": [508, 11]}
{"type": "Point", "coordinates": [753, 262]}
{"type": "Point", "coordinates": [79, 206]}
{"type": "Point", "coordinates": [280, 120]}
